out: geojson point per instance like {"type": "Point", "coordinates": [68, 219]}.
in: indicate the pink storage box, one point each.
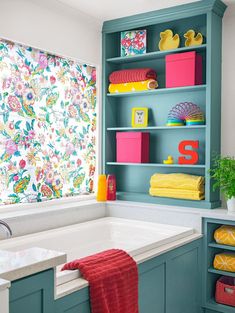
{"type": "Point", "coordinates": [183, 69]}
{"type": "Point", "coordinates": [132, 147]}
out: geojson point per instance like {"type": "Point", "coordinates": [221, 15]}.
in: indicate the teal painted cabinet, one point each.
{"type": "Point", "coordinates": [211, 275]}
{"type": "Point", "coordinates": [33, 294]}
{"type": "Point", "coordinates": [133, 179]}
{"type": "Point", "coordinates": [168, 283]}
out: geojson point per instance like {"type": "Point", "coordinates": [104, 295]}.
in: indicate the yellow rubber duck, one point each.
{"type": "Point", "coordinates": [191, 39]}
{"type": "Point", "coordinates": [170, 160]}
{"type": "Point", "coordinates": [168, 40]}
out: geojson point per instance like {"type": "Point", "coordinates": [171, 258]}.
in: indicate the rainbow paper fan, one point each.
{"type": "Point", "coordinates": [185, 113]}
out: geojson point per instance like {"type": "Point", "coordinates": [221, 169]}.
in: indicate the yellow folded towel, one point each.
{"type": "Point", "coordinates": [133, 86]}
{"type": "Point", "coordinates": [225, 262]}
{"type": "Point", "coordinates": [225, 235]}
{"type": "Point", "coordinates": [178, 181]}
{"type": "Point", "coordinates": [177, 193]}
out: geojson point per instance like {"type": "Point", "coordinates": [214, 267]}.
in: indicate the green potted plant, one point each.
{"type": "Point", "coordinates": [223, 173]}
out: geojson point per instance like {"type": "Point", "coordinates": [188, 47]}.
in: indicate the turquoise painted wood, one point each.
{"type": "Point", "coordinates": [132, 181]}
{"type": "Point", "coordinates": [33, 294]}
{"type": "Point", "coordinates": [167, 283]}
{"type": "Point", "coordinates": [211, 275]}
{"type": "Point", "coordinates": [77, 302]}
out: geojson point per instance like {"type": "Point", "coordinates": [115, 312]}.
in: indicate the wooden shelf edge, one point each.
{"type": "Point", "coordinates": [152, 128]}
{"type": "Point", "coordinates": [146, 198]}
{"type": "Point", "coordinates": [153, 55]}
{"type": "Point", "coordinates": [220, 272]}
{"type": "Point", "coordinates": [157, 165]}
{"type": "Point", "coordinates": [213, 305]}
{"type": "Point", "coordinates": [220, 246]}
{"type": "Point", "coordinates": [158, 91]}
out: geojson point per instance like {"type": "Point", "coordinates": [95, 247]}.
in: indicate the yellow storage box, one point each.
{"type": "Point", "coordinates": [225, 235]}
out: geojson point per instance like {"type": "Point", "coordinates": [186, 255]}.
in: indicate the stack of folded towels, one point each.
{"type": "Point", "coordinates": [177, 185]}
{"type": "Point", "coordinates": [132, 80]}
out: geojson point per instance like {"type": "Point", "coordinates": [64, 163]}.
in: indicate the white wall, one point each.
{"type": "Point", "coordinates": [228, 82]}
{"type": "Point", "coordinates": [55, 27]}
{"type": "Point", "coordinates": [51, 26]}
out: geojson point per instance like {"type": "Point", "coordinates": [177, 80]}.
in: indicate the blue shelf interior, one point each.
{"type": "Point", "coordinates": [134, 180]}
{"type": "Point", "coordinates": [212, 274]}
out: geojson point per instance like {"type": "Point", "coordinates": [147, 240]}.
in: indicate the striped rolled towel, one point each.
{"type": "Point", "coordinates": [132, 75]}
{"type": "Point", "coordinates": [134, 86]}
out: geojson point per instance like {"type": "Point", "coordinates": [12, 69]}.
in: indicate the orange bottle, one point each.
{"type": "Point", "coordinates": [102, 188]}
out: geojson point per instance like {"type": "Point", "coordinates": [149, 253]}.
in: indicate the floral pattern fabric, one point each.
{"type": "Point", "coordinates": [47, 125]}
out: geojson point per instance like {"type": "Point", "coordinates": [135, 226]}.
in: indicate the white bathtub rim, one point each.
{"type": "Point", "coordinates": [78, 283]}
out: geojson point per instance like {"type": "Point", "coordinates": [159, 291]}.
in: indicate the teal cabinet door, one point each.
{"type": "Point", "coordinates": [183, 281]}
{"type": "Point", "coordinates": [33, 294]}
{"type": "Point", "coordinates": [152, 290]}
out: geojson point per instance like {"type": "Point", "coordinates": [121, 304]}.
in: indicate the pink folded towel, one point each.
{"type": "Point", "coordinates": [132, 75]}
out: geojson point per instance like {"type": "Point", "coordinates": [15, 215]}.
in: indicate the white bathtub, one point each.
{"type": "Point", "coordinates": [83, 239]}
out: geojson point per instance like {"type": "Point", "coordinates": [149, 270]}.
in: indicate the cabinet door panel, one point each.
{"type": "Point", "coordinates": [152, 290]}
{"type": "Point", "coordinates": [182, 280]}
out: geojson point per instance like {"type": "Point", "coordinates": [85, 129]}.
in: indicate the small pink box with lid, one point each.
{"type": "Point", "coordinates": [183, 69]}
{"type": "Point", "coordinates": [132, 147]}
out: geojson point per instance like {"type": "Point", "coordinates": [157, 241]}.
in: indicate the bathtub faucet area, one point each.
{"type": "Point", "coordinates": [6, 228]}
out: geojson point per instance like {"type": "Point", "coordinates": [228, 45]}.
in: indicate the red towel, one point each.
{"type": "Point", "coordinates": [132, 75]}
{"type": "Point", "coordinates": [113, 280]}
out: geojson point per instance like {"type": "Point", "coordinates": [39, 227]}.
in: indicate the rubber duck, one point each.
{"type": "Point", "coordinates": [168, 40]}
{"type": "Point", "coordinates": [191, 39]}
{"type": "Point", "coordinates": [170, 160]}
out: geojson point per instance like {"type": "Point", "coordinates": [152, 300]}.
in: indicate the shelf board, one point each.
{"type": "Point", "coordinates": [220, 246]}
{"type": "Point", "coordinates": [158, 91]}
{"type": "Point", "coordinates": [146, 198]}
{"type": "Point", "coordinates": [156, 128]}
{"type": "Point", "coordinates": [153, 55]}
{"type": "Point", "coordinates": [158, 165]}
{"type": "Point", "coordinates": [219, 272]}
{"type": "Point", "coordinates": [213, 305]}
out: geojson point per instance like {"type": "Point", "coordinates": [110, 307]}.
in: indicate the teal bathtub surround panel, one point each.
{"type": "Point", "coordinates": [211, 275]}
{"type": "Point", "coordinates": [168, 283]}
{"type": "Point", "coordinates": [133, 180]}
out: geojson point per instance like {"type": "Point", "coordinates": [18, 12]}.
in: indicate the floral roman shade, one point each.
{"type": "Point", "coordinates": [47, 125]}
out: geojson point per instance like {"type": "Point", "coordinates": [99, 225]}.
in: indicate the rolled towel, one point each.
{"type": "Point", "coordinates": [134, 86]}
{"type": "Point", "coordinates": [225, 235]}
{"type": "Point", "coordinates": [132, 75]}
{"type": "Point", "coordinates": [178, 181]}
{"type": "Point", "coordinates": [225, 262]}
{"type": "Point", "coordinates": [177, 193]}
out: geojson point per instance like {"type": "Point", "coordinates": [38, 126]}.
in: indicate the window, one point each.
{"type": "Point", "coordinates": [47, 125]}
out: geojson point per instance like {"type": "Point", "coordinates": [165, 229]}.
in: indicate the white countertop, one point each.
{"type": "Point", "coordinates": [16, 265]}
{"type": "Point", "coordinates": [4, 284]}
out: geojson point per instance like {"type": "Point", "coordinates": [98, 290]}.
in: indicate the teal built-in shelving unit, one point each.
{"type": "Point", "coordinates": [133, 179]}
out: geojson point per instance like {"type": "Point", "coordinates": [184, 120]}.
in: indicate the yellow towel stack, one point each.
{"type": "Point", "coordinates": [177, 185]}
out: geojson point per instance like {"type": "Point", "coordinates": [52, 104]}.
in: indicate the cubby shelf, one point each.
{"type": "Point", "coordinates": [153, 55]}
{"type": "Point", "coordinates": [145, 197]}
{"type": "Point", "coordinates": [150, 128]}
{"type": "Point", "coordinates": [219, 246]}
{"type": "Point", "coordinates": [220, 308]}
{"type": "Point", "coordinates": [164, 140]}
{"type": "Point", "coordinates": [158, 91]}
{"type": "Point", "coordinates": [219, 272]}
{"type": "Point", "coordinates": [158, 165]}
